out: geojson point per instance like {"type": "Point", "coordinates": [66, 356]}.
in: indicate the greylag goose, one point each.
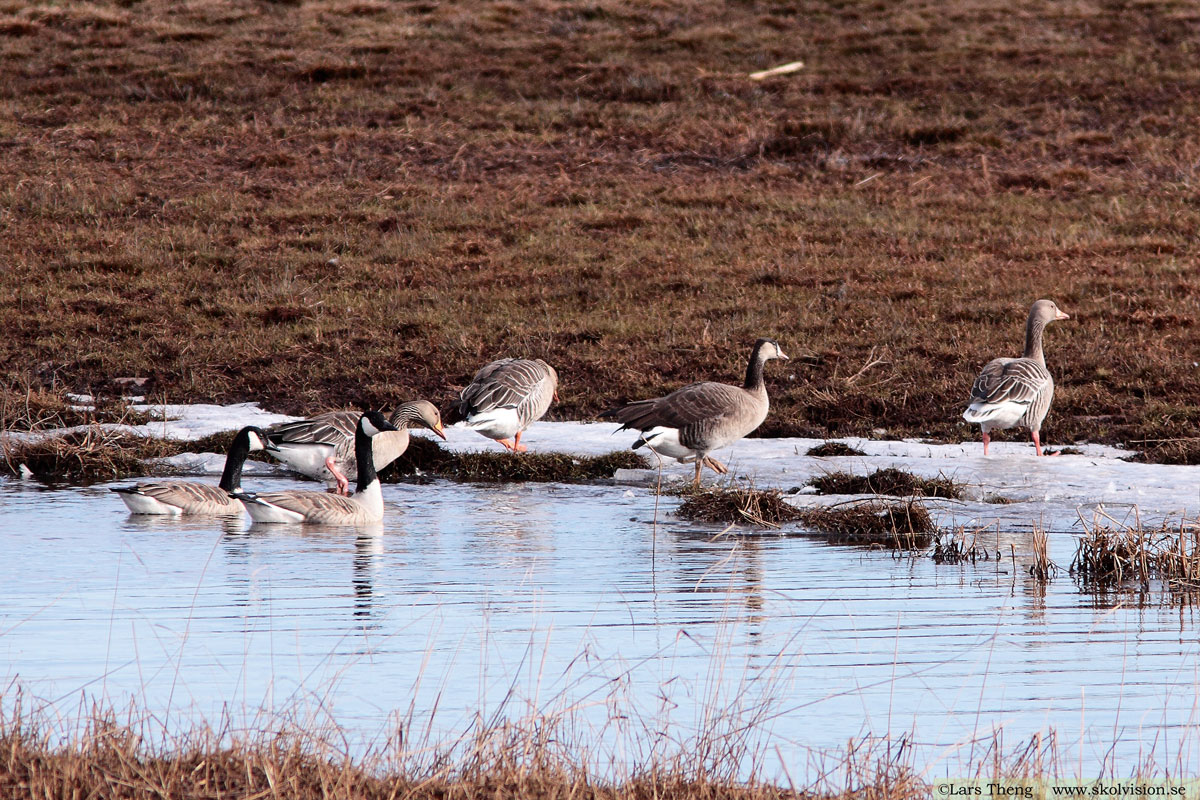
{"type": "Point", "coordinates": [691, 422]}
{"type": "Point", "coordinates": [1016, 391]}
{"type": "Point", "coordinates": [364, 506]}
{"type": "Point", "coordinates": [322, 447]}
{"type": "Point", "coordinates": [184, 497]}
{"type": "Point", "coordinates": [506, 397]}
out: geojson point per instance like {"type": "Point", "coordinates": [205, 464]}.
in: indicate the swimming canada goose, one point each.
{"type": "Point", "coordinates": [505, 398]}
{"type": "Point", "coordinates": [1016, 391]}
{"type": "Point", "coordinates": [691, 422]}
{"type": "Point", "coordinates": [322, 447]}
{"type": "Point", "coordinates": [185, 497]}
{"type": "Point", "coordinates": [364, 506]}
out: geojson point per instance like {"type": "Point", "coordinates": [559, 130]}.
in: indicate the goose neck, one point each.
{"type": "Point", "coordinates": [754, 371]}
{"type": "Point", "coordinates": [365, 457]}
{"type": "Point", "coordinates": [1034, 328]}
{"type": "Point", "coordinates": [231, 476]}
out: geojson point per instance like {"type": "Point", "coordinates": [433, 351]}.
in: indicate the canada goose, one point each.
{"type": "Point", "coordinates": [691, 422]}
{"type": "Point", "coordinates": [186, 497]}
{"type": "Point", "coordinates": [322, 447]}
{"type": "Point", "coordinates": [506, 397]}
{"type": "Point", "coordinates": [364, 506]}
{"type": "Point", "coordinates": [1016, 391]}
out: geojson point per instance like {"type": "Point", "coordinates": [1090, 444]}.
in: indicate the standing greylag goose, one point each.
{"type": "Point", "coordinates": [184, 497]}
{"type": "Point", "coordinates": [691, 422]}
{"type": "Point", "coordinates": [364, 506]}
{"type": "Point", "coordinates": [1016, 391]}
{"type": "Point", "coordinates": [505, 398]}
{"type": "Point", "coordinates": [322, 447]}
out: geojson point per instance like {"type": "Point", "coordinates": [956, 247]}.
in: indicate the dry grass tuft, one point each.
{"type": "Point", "coordinates": [900, 525]}
{"type": "Point", "coordinates": [1042, 568]}
{"type": "Point", "coordinates": [1167, 451]}
{"type": "Point", "coordinates": [890, 481]}
{"type": "Point", "coordinates": [87, 456]}
{"type": "Point", "coordinates": [112, 760]}
{"type": "Point", "coordinates": [829, 449]}
{"type": "Point", "coordinates": [738, 504]}
{"type": "Point", "coordinates": [955, 547]}
{"type": "Point", "coordinates": [1108, 557]}
{"type": "Point", "coordinates": [427, 458]}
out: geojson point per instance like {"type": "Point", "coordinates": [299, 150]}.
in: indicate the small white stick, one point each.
{"type": "Point", "coordinates": [783, 69]}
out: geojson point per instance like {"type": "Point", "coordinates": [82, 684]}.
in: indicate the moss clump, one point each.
{"type": "Point", "coordinates": [890, 481]}
{"type": "Point", "coordinates": [900, 525]}
{"type": "Point", "coordinates": [87, 456]}
{"type": "Point", "coordinates": [828, 449]}
{"type": "Point", "coordinates": [738, 505]}
{"type": "Point", "coordinates": [425, 456]}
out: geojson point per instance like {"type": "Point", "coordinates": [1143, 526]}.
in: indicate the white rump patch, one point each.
{"type": "Point", "coordinates": [262, 511]}
{"type": "Point", "coordinates": [497, 423]}
{"type": "Point", "coordinates": [144, 504]}
{"type": "Point", "coordinates": [665, 442]}
{"type": "Point", "coordinates": [995, 415]}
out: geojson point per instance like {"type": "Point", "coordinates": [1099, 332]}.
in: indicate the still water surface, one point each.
{"type": "Point", "coordinates": [572, 597]}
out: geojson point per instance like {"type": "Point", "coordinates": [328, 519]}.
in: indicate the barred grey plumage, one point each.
{"type": "Point", "coordinates": [691, 422]}
{"type": "Point", "coordinates": [505, 397]}
{"type": "Point", "coordinates": [1013, 392]}
{"type": "Point", "coordinates": [322, 447]}
{"type": "Point", "coordinates": [186, 497]}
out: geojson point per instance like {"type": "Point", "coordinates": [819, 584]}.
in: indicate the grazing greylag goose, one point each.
{"type": "Point", "coordinates": [505, 398]}
{"type": "Point", "coordinates": [691, 422]}
{"type": "Point", "coordinates": [364, 506]}
{"type": "Point", "coordinates": [184, 497]}
{"type": "Point", "coordinates": [1016, 391]}
{"type": "Point", "coordinates": [322, 447]}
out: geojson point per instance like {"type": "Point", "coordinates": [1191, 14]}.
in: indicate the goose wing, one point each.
{"type": "Point", "coordinates": [523, 384]}
{"type": "Point", "coordinates": [188, 497]}
{"type": "Point", "coordinates": [693, 403]}
{"type": "Point", "coordinates": [332, 427]}
{"type": "Point", "coordinates": [1009, 380]}
{"type": "Point", "coordinates": [312, 504]}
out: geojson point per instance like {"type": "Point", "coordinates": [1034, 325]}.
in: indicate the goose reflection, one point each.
{"type": "Point", "coordinates": [368, 558]}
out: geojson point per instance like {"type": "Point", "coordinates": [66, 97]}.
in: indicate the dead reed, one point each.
{"type": "Point", "coordinates": [900, 525]}
{"type": "Point", "coordinates": [957, 547]}
{"type": "Point", "coordinates": [890, 481]}
{"type": "Point", "coordinates": [1042, 568]}
{"type": "Point", "coordinates": [112, 760]}
{"type": "Point", "coordinates": [738, 504]}
{"type": "Point", "coordinates": [1108, 557]}
{"type": "Point", "coordinates": [85, 456]}
{"type": "Point", "coordinates": [426, 457]}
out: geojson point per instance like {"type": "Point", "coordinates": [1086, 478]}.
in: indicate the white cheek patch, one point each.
{"type": "Point", "coordinates": [255, 442]}
{"type": "Point", "coordinates": [368, 428]}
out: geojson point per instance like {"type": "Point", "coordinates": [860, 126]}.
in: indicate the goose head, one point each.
{"type": "Point", "coordinates": [1044, 311]}
{"type": "Point", "coordinates": [256, 440]}
{"type": "Point", "coordinates": [421, 413]}
{"type": "Point", "coordinates": [768, 349]}
{"type": "Point", "coordinates": [372, 423]}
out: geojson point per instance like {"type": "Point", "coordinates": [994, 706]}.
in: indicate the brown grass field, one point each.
{"type": "Point", "coordinates": [335, 202]}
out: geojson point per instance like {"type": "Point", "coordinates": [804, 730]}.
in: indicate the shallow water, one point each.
{"type": "Point", "coordinates": [562, 597]}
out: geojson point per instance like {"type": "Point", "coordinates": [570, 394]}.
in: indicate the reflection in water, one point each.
{"type": "Point", "coordinates": [723, 563]}
{"type": "Point", "coordinates": [468, 596]}
{"type": "Point", "coordinates": [368, 556]}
